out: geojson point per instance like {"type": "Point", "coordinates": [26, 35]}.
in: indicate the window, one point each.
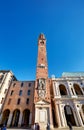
{"type": "Point", "coordinates": [9, 101]}
{"type": "Point", "coordinates": [22, 84]}
{"type": "Point", "coordinates": [11, 93]}
{"type": "Point", "coordinates": [41, 66]}
{"type": "Point", "coordinates": [20, 93]}
{"type": "Point", "coordinates": [2, 100]}
{"type": "Point", "coordinates": [27, 101]}
{"type": "Point", "coordinates": [18, 101]}
{"type": "Point", "coordinates": [29, 84]}
{"type": "Point", "coordinates": [28, 93]}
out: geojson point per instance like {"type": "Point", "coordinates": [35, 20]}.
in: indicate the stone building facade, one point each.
{"type": "Point", "coordinates": [46, 100]}
{"type": "Point", "coordinates": [6, 77]}
{"type": "Point", "coordinates": [68, 101]}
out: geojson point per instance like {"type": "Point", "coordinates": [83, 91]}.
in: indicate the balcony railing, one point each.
{"type": "Point", "coordinates": [69, 96]}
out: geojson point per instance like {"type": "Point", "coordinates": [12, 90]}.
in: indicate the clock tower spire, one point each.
{"type": "Point", "coordinates": [42, 98]}
{"type": "Point", "coordinates": [42, 67]}
{"type": "Point", "coordinates": [41, 84]}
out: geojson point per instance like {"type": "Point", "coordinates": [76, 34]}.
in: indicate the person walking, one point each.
{"type": "Point", "coordinates": [4, 127]}
{"type": "Point", "coordinates": [70, 125]}
{"type": "Point", "coordinates": [38, 127]}
{"type": "Point", "coordinates": [48, 126]}
{"type": "Point", "coordinates": [34, 127]}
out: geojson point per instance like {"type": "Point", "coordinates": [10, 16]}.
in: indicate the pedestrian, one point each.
{"type": "Point", "coordinates": [38, 127]}
{"type": "Point", "coordinates": [34, 126]}
{"type": "Point", "coordinates": [4, 127]}
{"type": "Point", "coordinates": [48, 126]}
{"type": "Point", "coordinates": [1, 126]}
{"type": "Point", "coordinates": [70, 125]}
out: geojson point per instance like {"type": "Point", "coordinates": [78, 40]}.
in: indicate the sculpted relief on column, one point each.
{"type": "Point", "coordinates": [56, 88]}
{"type": "Point", "coordinates": [41, 87]}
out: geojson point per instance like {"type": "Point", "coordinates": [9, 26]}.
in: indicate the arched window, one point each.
{"type": "Point", "coordinates": [77, 89]}
{"type": "Point", "coordinates": [62, 89]}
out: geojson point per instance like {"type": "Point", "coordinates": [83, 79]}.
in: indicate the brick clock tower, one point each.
{"type": "Point", "coordinates": [42, 99]}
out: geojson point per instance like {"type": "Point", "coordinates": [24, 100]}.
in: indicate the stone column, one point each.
{"type": "Point", "coordinates": [57, 115]}
{"type": "Point", "coordinates": [20, 119]}
{"type": "Point", "coordinates": [56, 89]}
{"type": "Point", "coordinates": [9, 119]}
{"type": "Point", "coordinates": [68, 91]}
{"type": "Point", "coordinates": [81, 123]}
{"type": "Point", "coordinates": [82, 90]}
{"type": "Point", "coordinates": [30, 119]}
{"type": "Point", "coordinates": [58, 92]}
{"type": "Point", "coordinates": [61, 115]}
{"type": "Point", "coordinates": [75, 117]}
{"type": "Point", "coordinates": [82, 117]}
{"type": "Point", "coordinates": [73, 93]}
{"type": "Point", "coordinates": [65, 122]}
{"type": "Point", "coordinates": [36, 114]}
{"type": "Point", "coordinates": [78, 116]}
{"type": "Point", "coordinates": [51, 122]}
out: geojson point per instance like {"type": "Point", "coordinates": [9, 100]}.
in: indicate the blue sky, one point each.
{"type": "Point", "coordinates": [21, 22]}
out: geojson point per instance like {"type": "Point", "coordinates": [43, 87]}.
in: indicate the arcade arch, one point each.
{"type": "Point", "coordinates": [77, 89]}
{"type": "Point", "coordinates": [5, 116]}
{"type": "Point", "coordinates": [62, 89]}
{"type": "Point", "coordinates": [69, 115]}
{"type": "Point", "coordinates": [25, 119]}
{"type": "Point", "coordinates": [15, 118]}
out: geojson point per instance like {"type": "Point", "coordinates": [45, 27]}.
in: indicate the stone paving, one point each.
{"type": "Point", "coordinates": [74, 128]}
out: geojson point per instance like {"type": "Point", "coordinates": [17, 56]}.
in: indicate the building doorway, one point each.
{"type": "Point", "coordinates": [15, 118]}
{"type": "Point", "coordinates": [5, 117]}
{"type": "Point", "coordinates": [25, 119]}
{"type": "Point", "coordinates": [69, 115]}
